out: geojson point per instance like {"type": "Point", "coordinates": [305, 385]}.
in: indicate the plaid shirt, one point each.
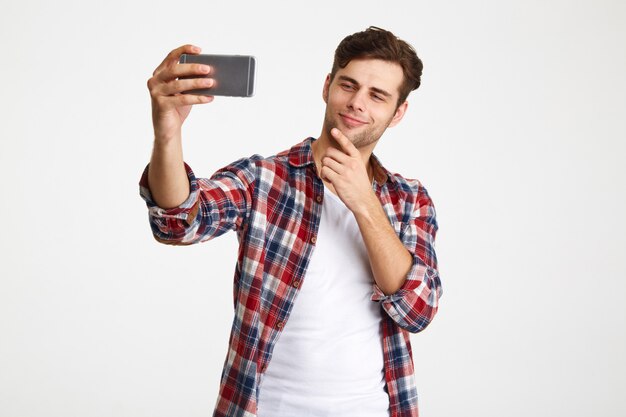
{"type": "Point", "coordinates": [274, 205]}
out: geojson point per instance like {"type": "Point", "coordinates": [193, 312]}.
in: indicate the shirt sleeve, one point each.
{"type": "Point", "coordinates": [214, 206]}
{"type": "Point", "coordinates": [415, 304]}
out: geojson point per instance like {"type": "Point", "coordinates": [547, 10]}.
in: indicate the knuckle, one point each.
{"type": "Point", "coordinates": [150, 83]}
{"type": "Point", "coordinates": [171, 66]}
{"type": "Point", "coordinates": [173, 70]}
{"type": "Point", "coordinates": [176, 85]}
{"type": "Point", "coordinates": [183, 99]}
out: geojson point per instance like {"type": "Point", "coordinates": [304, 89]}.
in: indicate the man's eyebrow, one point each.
{"type": "Point", "coordinates": [355, 82]}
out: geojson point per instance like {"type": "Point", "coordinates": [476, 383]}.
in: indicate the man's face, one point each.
{"type": "Point", "coordinates": [362, 98]}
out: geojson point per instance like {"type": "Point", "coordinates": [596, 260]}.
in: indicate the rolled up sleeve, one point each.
{"type": "Point", "coordinates": [214, 206]}
{"type": "Point", "coordinates": [415, 304]}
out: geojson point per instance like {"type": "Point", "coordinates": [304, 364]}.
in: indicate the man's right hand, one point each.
{"type": "Point", "coordinates": [170, 107]}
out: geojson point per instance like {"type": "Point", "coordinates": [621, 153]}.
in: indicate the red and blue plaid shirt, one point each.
{"type": "Point", "coordinates": [274, 205]}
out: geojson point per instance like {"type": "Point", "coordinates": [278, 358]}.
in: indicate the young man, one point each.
{"type": "Point", "coordinates": [336, 261]}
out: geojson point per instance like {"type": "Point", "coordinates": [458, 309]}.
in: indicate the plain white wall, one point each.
{"type": "Point", "coordinates": [517, 132]}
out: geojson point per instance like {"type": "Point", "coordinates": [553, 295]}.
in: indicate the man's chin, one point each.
{"type": "Point", "coordinates": [350, 133]}
{"type": "Point", "coordinates": [357, 135]}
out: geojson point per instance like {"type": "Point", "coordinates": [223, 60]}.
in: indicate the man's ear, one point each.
{"type": "Point", "coordinates": [326, 88]}
{"type": "Point", "coordinates": [399, 114]}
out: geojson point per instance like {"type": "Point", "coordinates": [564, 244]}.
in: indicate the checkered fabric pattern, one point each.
{"type": "Point", "coordinates": [274, 206]}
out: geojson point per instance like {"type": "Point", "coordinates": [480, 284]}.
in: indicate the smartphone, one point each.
{"type": "Point", "coordinates": [234, 75]}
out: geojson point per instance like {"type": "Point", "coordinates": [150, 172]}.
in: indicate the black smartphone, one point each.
{"type": "Point", "coordinates": [234, 75]}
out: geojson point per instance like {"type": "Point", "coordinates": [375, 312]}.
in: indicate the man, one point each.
{"type": "Point", "coordinates": [336, 262]}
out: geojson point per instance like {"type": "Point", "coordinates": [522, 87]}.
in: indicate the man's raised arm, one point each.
{"type": "Point", "coordinates": [167, 177]}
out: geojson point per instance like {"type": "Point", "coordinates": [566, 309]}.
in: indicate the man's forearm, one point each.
{"type": "Point", "coordinates": [389, 259]}
{"type": "Point", "coordinates": [167, 177]}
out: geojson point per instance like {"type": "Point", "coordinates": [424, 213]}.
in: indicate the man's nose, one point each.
{"type": "Point", "coordinates": [357, 101]}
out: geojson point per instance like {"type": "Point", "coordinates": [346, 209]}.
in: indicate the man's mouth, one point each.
{"type": "Point", "coordinates": [350, 121]}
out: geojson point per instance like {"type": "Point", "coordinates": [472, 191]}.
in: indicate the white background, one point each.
{"type": "Point", "coordinates": [517, 131]}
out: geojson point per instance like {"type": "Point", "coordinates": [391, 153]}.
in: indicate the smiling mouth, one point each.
{"type": "Point", "coordinates": [351, 121]}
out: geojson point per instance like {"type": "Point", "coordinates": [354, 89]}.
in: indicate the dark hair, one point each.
{"type": "Point", "coordinates": [377, 43]}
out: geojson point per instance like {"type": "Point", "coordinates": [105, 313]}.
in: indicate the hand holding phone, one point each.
{"type": "Point", "coordinates": [170, 108]}
{"type": "Point", "coordinates": [233, 75]}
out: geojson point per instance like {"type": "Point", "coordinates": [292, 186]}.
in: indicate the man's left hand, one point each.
{"type": "Point", "coordinates": [347, 173]}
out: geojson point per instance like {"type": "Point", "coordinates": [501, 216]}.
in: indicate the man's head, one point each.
{"type": "Point", "coordinates": [365, 93]}
{"type": "Point", "coordinates": [377, 43]}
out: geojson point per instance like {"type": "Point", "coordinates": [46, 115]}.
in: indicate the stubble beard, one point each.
{"type": "Point", "coordinates": [359, 139]}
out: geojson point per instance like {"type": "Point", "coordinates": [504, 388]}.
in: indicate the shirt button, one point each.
{"type": "Point", "coordinates": [318, 198]}
{"type": "Point", "coordinates": [280, 324]}
{"type": "Point", "coordinates": [296, 283]}
{"type": "Point", "coordinates": [314, 239]}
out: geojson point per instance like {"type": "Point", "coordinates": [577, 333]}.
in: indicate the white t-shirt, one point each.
{"type": "Point", "coordinates": [328, 360]}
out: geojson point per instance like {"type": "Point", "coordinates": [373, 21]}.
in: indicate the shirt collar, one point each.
{"type": "Point", "coordinates": [301, 155]}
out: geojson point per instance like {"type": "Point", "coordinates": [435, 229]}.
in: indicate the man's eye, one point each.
{"type": "Point", "coordinates": [377, 97]}
{"type": "Point", "coordinates": [347, 86]}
